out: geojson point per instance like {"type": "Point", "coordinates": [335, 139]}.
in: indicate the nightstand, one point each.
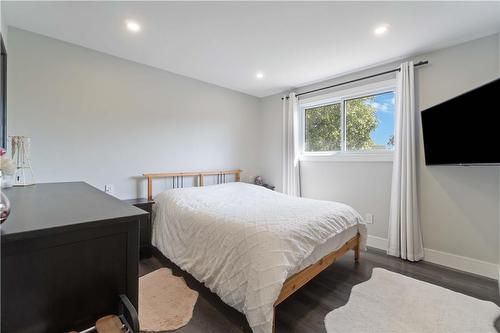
{"type": "Point", "coordinates": [145, 225]}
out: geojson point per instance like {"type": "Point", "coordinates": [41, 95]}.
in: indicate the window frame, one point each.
{"type": "Point", "coordinates": [341, 97]}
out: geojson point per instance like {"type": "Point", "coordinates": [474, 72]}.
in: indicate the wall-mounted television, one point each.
{"type": "Point", "coordinates": [464, 130]}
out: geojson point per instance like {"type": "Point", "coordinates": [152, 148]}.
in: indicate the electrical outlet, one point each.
{"type": "Point", "coordinates": [108, 188]}
{"type": "Point", "coordinates": [368, 218]}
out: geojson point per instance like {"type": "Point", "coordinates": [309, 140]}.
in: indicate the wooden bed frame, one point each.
{"type": "Point", "coordinates": [178, 178]}
{"type": "Point", "coordinates": [294, 282]}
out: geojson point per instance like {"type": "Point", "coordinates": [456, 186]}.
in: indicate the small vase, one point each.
{"type": "Point", "coordinates": [4, 207]}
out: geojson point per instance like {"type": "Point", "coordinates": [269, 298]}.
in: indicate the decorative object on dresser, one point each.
{"type": "Point", "coordinates": [7, 168]}
{"type": "Point", "coordinates": [20, 150]}
{"type": "Point", "coordinates": [67, 252]}
{"type": "Point", "coordinates": [145, 225]}
{"type": "Point", "coordinates": [4, 207]}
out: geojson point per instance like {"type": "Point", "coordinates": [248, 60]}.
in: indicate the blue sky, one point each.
{"type": "Point", "coordinates": [384, 104]}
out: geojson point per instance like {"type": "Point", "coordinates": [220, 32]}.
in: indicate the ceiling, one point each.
{"type": "Point", "coordinates": [227, 43]}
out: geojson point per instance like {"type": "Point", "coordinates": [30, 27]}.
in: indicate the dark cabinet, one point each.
{"type": "Point", "coordinates": [68, 251]}
{"type": "Point", "coordinates": [145, 225]}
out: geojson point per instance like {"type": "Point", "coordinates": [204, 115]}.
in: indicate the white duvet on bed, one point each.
{"type": "Point", "coordinates": [242, 240]}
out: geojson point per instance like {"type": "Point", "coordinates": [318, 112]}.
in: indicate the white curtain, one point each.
{"type": "Point", "coordinates": [291, 168]}
{"type": "Point", "coordinates": [405, 236]}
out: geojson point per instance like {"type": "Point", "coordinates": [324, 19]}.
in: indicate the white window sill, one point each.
{"type": "Point", "coordinates": [386, 156]}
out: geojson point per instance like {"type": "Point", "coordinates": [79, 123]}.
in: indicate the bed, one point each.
{"type": "Point", "coordinates": [252, 246]}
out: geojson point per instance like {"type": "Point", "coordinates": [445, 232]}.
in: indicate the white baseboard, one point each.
{"type": "Point", "coordinates": [377, 242]}
{"type": "Point", "coordinates": [466, 264]}
{"type": "Point", "coordinates": [470, 265]}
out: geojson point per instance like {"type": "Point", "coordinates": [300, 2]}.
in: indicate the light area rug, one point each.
{"type": "Point", "coordinates": [166, 303]}
{"type": "Point", "coordinates": [391, 302]}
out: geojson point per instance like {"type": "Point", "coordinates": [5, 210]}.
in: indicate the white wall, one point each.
{"type": "Point", "coordinates": [271, 136]}
{"type": "Point", "coordinates": [105, 120]}
{"type": "Point", "coordinates": [458, 205]}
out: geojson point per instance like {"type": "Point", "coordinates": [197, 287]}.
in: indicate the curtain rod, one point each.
{"type": "Point", "coordinates": [359, 79]}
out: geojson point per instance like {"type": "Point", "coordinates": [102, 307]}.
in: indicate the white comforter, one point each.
{"type": "Point", "coordinates": [242, 240]}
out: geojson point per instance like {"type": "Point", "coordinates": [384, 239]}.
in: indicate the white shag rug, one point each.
{"type": "Point", "coordinates": [391, 302]}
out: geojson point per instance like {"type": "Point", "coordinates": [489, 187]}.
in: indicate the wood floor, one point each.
{"type": "Point", "coordinates": [305, 311]}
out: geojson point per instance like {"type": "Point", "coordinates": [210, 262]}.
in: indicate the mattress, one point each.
{"type": "Point", "coordinates": [332, 244]}
{"type": "Point", "coordinates": [243, 241]}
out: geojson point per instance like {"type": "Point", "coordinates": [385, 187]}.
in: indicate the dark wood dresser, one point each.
{"type": "Point", "coordinates": [68, 251]}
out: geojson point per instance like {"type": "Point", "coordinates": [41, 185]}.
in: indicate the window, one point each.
{"type": "Point", "coordinates": [349, 123]}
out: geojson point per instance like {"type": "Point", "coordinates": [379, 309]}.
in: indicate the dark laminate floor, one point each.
{"type": "Point", "coordinates": [305, 310]}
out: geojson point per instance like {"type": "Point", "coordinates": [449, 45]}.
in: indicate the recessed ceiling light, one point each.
{"type": "Point", "coordinates": [259, 75]}
{"type": "Point", "coordinates": [133, 26]}
{"type": "Point", "coordinates": [380, 30]}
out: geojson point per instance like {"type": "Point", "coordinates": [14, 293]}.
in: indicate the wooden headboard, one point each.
{"type": "Point", "coordinates": [178, 178]}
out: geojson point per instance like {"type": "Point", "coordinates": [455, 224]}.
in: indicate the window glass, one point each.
{"type": "Point", "coordinates": [370, 122]}
{"type": "Point", "coordinates": [323, 128]}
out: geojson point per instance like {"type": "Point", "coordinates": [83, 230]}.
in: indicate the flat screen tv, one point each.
{"type": "Point", "coordinates": [464, 130]}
